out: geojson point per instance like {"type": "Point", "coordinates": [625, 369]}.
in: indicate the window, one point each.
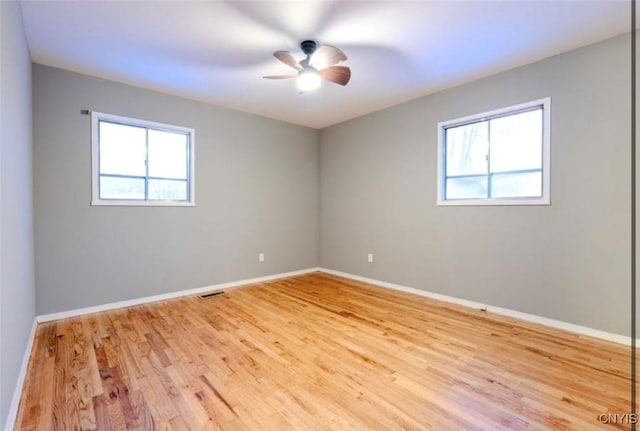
{"type": "Point", "coordinates": [496, 158]}
{"type": "Point", "coordinates": [138, 162]}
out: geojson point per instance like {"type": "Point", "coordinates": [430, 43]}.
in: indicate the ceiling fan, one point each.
{"type": "Point", "coordinates": [320, 63]}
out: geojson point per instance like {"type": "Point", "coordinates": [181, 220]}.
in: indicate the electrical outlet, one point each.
{"type": "Point", "coordinates": [370, 257]}
{"type": "Point", "coordinates": [261, 257]}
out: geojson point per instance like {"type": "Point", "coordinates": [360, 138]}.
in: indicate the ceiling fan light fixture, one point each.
{"type": "Point", "coordinates": [320, 64]}
{"type": "Point", "coordinates": [308, 80]}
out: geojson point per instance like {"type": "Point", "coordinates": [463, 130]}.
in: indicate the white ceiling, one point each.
{"type": "Point", "coordinates": [217, 51]}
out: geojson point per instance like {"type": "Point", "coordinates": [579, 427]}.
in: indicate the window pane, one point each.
{"type": "Point", "coordinates": [516, 185]}
{"type": "Point", "coordinates": [167, 154]}
{"type": "Point", "coordinates": [121, 188]}
{"type": "Point", "coordinates": [516, 142]}
{"type": "Point", "coordinates": [467, 148]}
{"type": "Point", "coordinates": [168, 190]}
{"type": "Point", "coordinates": [466, 188]}
{"type": "Point", "coordinates": [122, 149]}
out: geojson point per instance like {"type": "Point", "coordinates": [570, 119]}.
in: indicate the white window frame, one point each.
{"type": "Point", "coordinates": [545, 199]}
{"type": "Point", "coordinates": [96, 117]}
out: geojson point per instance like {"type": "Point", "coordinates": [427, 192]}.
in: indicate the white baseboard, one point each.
{"type": "Point", "coordinates": [170, 295]}
{"type": "Point", "coordinates": [17, 393]}
{"type": "Point", "coordinates": [558, 324]}
{"type": "Point", "coordinates": [582, 330]}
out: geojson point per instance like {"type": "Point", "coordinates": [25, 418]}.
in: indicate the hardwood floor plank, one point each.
{"type": "Point", "coordinates": [317, 352]}
{"type": "Point", "coordinates": [103, 418]}
{"type": "Point", "coordinates": [143, 419]}
{"type": "Point", "coordinates": [158, 416]}
{"type": "Point", "coordinates": [59, 379]}
{"type": "Point", "coordinates": [157, 380]}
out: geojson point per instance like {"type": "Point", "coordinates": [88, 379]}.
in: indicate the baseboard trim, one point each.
{"type": "Point", "coordinates": [170, 295]}
{"type": "Point", "coordinates": [12, 416]}
{"type": "Point", "coordinates": [558, 324]}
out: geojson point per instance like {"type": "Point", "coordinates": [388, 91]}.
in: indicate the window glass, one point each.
{"type": "Point", "coordinates": [467, 187]}
{"type": "Point", "coordinates": [122, 149]}
{"type": "Point", "coordinates": [467, 148]}
{"type": "Point", "coordinates": [121, 188]}
{"type": "Point", "coordinates": [528, 184]}
{"type": "Point", "coordinates": [167, 189]}
{"type": "Point", "coordinates": [168, 154]}
{"type": "Point", "coordinates": [516, 142]}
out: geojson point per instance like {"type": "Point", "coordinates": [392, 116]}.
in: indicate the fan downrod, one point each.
{"type": "Point", "coordinates": [308, 46]}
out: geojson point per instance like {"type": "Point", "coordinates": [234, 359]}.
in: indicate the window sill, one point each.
{"type": "Point", "coordinates": [133, 203]}
{"type": "Point", "coordinates": [493, 202]}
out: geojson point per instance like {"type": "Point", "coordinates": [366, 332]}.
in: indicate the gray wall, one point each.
{"type": "Point", "coordinates": [568, 261]}
{"type": "Point", "coordinates": [17, 296]}
{"type": "Point", "coordinates": [257, 185]}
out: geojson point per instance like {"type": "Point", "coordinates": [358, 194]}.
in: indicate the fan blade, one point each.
{"type": "Point", "coordinates": [338, 74]}
{"type": "Point", "coordinates": [279, 76]}
{"type": "Point", "coordinates": [326, 56]}
{"type": "Point", "coordinates": [287, 58]}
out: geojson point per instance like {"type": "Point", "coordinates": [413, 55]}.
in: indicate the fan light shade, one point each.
{"type": "Point", "coordinates": [308, 80]}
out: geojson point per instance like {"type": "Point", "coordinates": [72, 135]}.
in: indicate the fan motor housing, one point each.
{"type": "Point", "coordinates": [308, 46]}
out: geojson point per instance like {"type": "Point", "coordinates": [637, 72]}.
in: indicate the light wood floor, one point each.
{"type": "Point", "coordinates": [317, 352]}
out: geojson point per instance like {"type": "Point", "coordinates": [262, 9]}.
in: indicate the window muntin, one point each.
{"type": "Point", "coordinates": [138, 162]}
{"type": "Point", "coordinates": [496, 158]}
